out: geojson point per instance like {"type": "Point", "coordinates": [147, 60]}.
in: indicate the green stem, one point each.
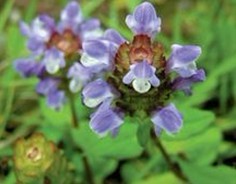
{"type": "Point", "coordinates": [89, 174]}
{"type": "Point", "coordinates": [86, 165]}
{"type": "Point", "coordinates": [75, 119]}
{"type": "Point", "coordinates": [173, 167]}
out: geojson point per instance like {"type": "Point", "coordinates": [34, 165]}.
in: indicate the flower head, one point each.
{"type": "Point", "coordinates": [139, 73]}
{"type": "Point", "coordinates": [56, 49]}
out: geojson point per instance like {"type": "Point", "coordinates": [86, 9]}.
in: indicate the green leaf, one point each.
{"type": "Point", "coordinates": [132, 4]}
{"type": "Point", "coordinates": [6, 10]}
{"type": "Point", "coordinates": [101, 167]}
{"type": "Point", "coordinates": [207, 174]}
{"type": "Point", "coordinates": [10, 178]}
{"type": "Point", "coordinates": [54, 122]}
{"type": "Point", "coordinates": [139, 169]}
{"type": "Point", "coordinates": [160, 178]}
{"type": "Point", "coordinates": [90, 6]}
{"type": "Point", "coordinates": [201, 148]}
{"type": "Point", "coordinates": [31, 9]}
{"type": "Point", "coordinates": [15, 38]}
{"type": "Point", "coordinates": [60, 117]}
{"type": "Point", "coordinates": [124, 145]}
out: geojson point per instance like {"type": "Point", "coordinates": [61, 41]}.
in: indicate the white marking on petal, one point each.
{"type": "Point", "coordinates": [92, 102]}
{"type": "Point", "coordinates": [75, 85]}
{"type": "Point", "coordinates": [89, 61]}
{"type": "Point", "coordinates": [141, 85]}
{"type": "Point", "coordinates": [39, 30]}
{"type": "Point", "coordinates": [52, 67]}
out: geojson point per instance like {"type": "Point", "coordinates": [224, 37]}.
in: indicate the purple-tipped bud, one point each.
{"type": "Point", "coordinates": [168, 118]}
{"type": "Point", "coordinates": [142, 75]}
{"type": "Point", "coordinates": [105, 119]}
{"type": "Point", "coordinates": [182, 59]}
{"type": "Point", "coordinates": [144, 20]}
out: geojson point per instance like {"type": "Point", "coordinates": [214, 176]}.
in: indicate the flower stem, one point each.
{"type": "Point", "coordinates": [75, 124]}
{"type": "Point", "coordinates": [89, 174]}
{"type": "Point", "coordinates": [75, 119]}
{"type": "Point", "coordinates": [173, 167]}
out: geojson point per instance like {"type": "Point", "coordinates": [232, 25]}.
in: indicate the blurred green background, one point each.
{"type": "Point", "coordinates": [207, 142]}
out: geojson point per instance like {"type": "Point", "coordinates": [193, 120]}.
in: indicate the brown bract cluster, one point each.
{"type": "Point", "coordinates": [141, 48]}
{"type": "Point", "coordinates": [67, 42]}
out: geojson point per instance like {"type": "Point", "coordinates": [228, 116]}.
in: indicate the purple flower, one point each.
{"type": "Point", "coordinates": [97, 55]}
{"type": "Point", "coordinates": [142, 75]}
{"type": "Point", "coordinates": [94, 93]}
{"type": "Point", "coordinates": [53, 42]}
{"type": "Point", "coordinates": [28, 67]}
{"type": "Point", "coordinates": [54, 46]}
{"type": "Point", "coordinates": [79, 75]}
{"type": "Point", "coordinates": [184, 84]}
{"type": "Point", "coordinates": [71, 18]}
{"type": "Point", "coordinates": [167, 118]}
{"type": "Point", "coordinates": [71, 15]}
{"type": "Point", "coordinates": [89, 30]}
{"type": "Point", "coordinates": [41, 27]}
{"type": "Point", "coordinates": [182, 59]}
{"type": "Point", "coordinates": [144, 20]}
{"type": "Point", "coordinates": [106, 119]}
{"type": "Point", "coordinates": [39, 32]}
{"type": "Point", "coordinates": [56, 99]}
{"type": "Point", "coordinates": [47, 85]}
{"type": "Point", "coordinates": [49, 88]}
{"type": "Point", "coordinates": [53, 60]}
{"type": "Point", "coordinates": [113, 36]}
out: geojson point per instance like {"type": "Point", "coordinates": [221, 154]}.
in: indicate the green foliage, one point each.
{"type": "Point", "coordinates": [123, 146]}
{"type": "Point", "coordinates": [101, 167]}
{"type": "Point", "coordinates": [207, 174]}
{"type": "Point", "coordinates": [201, 148]}
{"type": "Point", "coordinates": [5, 14]}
